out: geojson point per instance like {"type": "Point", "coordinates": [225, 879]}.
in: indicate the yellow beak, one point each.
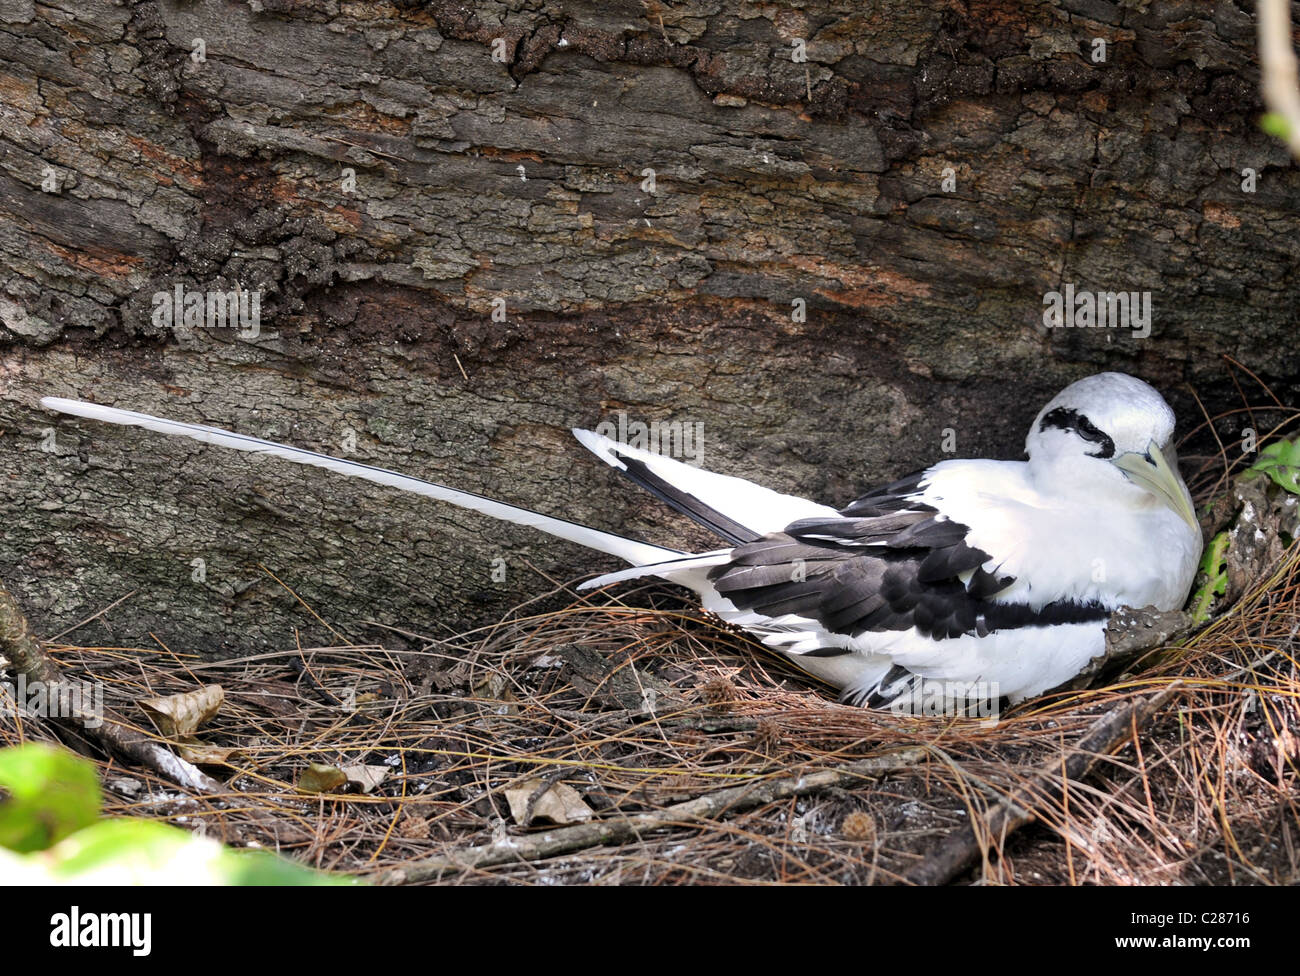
{"type": "Point", "coordinates": [1154, 473]}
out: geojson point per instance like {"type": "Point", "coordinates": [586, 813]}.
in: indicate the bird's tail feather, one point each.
{"type": "Point", "coordinates": [733, 508]}
{"type": "Point", "coordinates": [636, 553]}
{"type": "Point", "coordinates": [683, 570]}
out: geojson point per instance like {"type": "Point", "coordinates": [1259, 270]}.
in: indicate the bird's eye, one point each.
{"type": "Point", "coordinates": [1077, 423]}
{"type": "Point", "coordinates": [1089, 432]}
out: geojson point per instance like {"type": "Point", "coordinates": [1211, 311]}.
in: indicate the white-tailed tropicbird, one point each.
{"type": "Point", "coordinates": [1001, 572]}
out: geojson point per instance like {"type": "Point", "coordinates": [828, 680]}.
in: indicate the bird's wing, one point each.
{"type": "Point", "coordinates": [890, 561]}
{"type": "Point", "coordinates": [732, 508]}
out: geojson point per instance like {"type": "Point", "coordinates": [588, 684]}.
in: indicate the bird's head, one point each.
{"type": "Point", "coordinates": [1111, 432]}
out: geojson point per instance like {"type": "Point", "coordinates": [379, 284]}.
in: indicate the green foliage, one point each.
{"type": "Point", "coordinates": [1275, 125]}
{"type": "Point", "coordinates": [45, 795]}
{"type": "Point", "coordinates": [1214, 577]}
{"type": "Point", "coordinates": [1280, 460]}
{"type": "Point", "coordinates": [51, 833]}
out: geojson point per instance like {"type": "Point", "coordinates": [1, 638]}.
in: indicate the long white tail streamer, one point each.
{"type": "Point", "coordinates": [636, 553]}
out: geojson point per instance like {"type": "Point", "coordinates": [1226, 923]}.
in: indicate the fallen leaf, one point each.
{"type": "Point", "coordinates": [178, 715]}
{"type": "Point", "coordinates": [320, 778]}
{"type": "Point", "coordinates": [365, 778]}
{"type": "Point", "coordinates": [191, 750]}
{"type": "Point", "coordinates": [560, 804]}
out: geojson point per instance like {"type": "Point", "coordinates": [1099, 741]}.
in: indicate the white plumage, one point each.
{"type": "Point", "coordinates": [999, 572]}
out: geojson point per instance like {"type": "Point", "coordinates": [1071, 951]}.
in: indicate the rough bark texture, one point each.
{"type": "Point", "coordinates": [477, 180]}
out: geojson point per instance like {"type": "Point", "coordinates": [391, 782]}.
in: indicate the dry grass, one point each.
{"type": "Point", "coordinates": [1208, 794]}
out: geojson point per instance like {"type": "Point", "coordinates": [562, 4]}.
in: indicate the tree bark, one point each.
{"type": "Point", "coordinates": [525, 180]}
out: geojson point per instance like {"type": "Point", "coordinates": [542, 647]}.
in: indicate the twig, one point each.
{"type": "Point", "coordinates": [18, 644]}
{"type": "Point", "coordinates": [965, 846]}
{"type": "Point", "coordinates": [563, 840]}
{"type": "Point", "coordinates": [115, 734]}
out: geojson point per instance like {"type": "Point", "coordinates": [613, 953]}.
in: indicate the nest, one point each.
{"type": "Point", "coordinates": [626, 738]}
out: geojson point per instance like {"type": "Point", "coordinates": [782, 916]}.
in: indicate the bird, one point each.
{"type": "Point", "coordinates": [996, 574]}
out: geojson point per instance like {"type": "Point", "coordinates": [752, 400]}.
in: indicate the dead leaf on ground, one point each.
{"type": "Point", "coordinates": [560, 804]}
{"type": "Point", "coordinates": [321, 778]}
{"type": "Point", "coordinates": [365, 778]}
{"type": "Point", "coordinates": [179, 715]}
{"type": "Point", "coordinates": [203, 754]}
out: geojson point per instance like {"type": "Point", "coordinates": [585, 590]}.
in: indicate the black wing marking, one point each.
{"type": "Point", "coordinates": [891, 564]}
{"type": "Point", "coordinates": [893, 497]}
{"type": "Point", "coordinates": [684, 502]}
{"type": "Point", "coordinates": [897, 683]}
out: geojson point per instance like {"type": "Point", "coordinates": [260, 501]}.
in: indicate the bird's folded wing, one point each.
{"type": "Point", "coordinates": [889, 562]}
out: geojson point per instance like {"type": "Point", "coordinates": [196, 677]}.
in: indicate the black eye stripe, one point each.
{"type": "Point", "coordinates": [1066, 419]}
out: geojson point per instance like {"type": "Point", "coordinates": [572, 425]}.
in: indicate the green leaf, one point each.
{"type": "Point", "coordinates": [130, 851]}
{"type": "Point", "coordinates": [1214, 575]}
{"type": "Point", "coordinates": [50, 833]}
{"type": "Point", "coordinates": [1275, 125]}
{"type": "Point", "coordinates": [1280, 460]}
{"type": "Point", "coordinates": [46, 793]}
{"type": "Point", "coordinates": [263, 868]}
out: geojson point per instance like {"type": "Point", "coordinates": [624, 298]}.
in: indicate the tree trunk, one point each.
{"type": "Point", "coordinates": [836, 266]}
